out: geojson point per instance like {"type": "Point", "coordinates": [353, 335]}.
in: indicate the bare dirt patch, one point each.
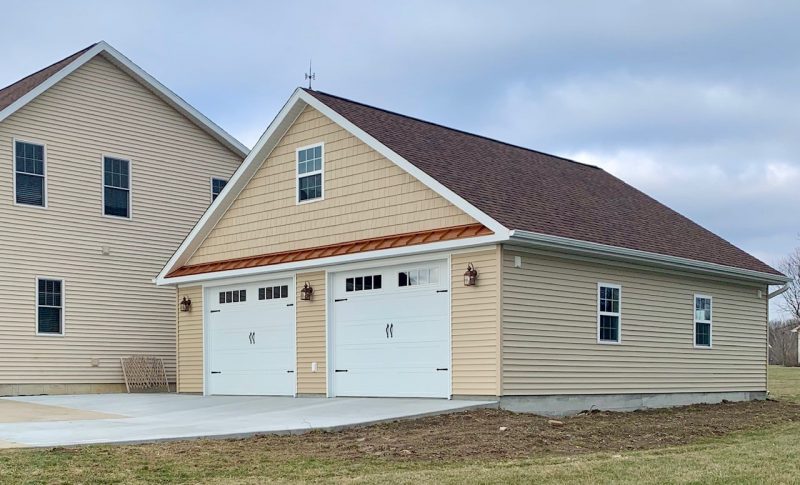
{"type": "Point", "coordinates": [493, 434]}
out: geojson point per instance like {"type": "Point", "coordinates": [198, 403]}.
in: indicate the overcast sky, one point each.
{"type": "Point", "coordinates": [696, 103]}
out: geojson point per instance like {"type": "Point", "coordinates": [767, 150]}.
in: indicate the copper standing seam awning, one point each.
{"type": "Point", "coordinates": [360, 246]}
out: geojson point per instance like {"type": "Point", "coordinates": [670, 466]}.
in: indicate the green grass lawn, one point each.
{"type": "Point", "coordinates": [770, 455]}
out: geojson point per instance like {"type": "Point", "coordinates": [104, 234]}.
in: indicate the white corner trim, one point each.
{"type": "Point", "coordinates": [138, 73]}
{"type": "Point", "coordinates": [643, 257]}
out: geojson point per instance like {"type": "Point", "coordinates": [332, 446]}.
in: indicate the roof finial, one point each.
{"type": "Point", "coordinates": [310, 76]}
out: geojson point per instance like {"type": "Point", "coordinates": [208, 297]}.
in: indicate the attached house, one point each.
{"type": "Point", "coordinates": [103, 172]}
{"type": "Point", "coordinates": [360, 252]}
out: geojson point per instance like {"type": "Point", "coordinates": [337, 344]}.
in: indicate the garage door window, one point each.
{"type": "Point", "coordinates": [233, 296]}
{"type": "Point", "coordinates": [363, 283]}
{"type": "Point", "coordinates": [418, 277]}
{"type": "Point", "coordinates": [273, 292]}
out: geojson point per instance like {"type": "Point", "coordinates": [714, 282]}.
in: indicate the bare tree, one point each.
{"type": "Point", "coordinates": [790, 299]}
{"type": "Point", "coordinates": [783, 343]}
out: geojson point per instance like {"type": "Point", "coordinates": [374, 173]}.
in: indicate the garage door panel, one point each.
{"type": "Point", "coordinates": [393, 340]}
{"type": "Point", "coordinates": [251, 348]}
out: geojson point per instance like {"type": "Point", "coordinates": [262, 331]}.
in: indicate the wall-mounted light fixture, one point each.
{"type": "Point", "coordinates": [306, 292]}
{"type": "Point", "coordinates": [470, 276]}
{"type": "Point", "coordinates": [186, 304]}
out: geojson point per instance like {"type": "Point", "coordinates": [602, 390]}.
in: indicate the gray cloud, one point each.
{"type": "Point", "coordinates": [692, 102]}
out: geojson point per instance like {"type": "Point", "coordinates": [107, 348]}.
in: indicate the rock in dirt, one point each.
{"type": "Point", "coordinates": [555, 423]}
{"type": "Point", "coordinates": [503, 428]}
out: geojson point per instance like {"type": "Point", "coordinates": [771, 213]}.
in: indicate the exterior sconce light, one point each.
{"type": "Point", "coordinates": [306, 292]}
{"type": "Point", "coordinates": [470, 276]}
{"type": "Point", "coordinates": [186, 304]}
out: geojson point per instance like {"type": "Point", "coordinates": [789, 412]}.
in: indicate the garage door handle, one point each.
{"type": "Point", "coordinates": [216, 372]}
{"type": "Point", "coordinates": [441, 291]}
{"type": "Point", "coordinates": [391, 330]}
{"type": "Point", "coordinates": [339, 299]}
{"type": "Point", "coordinates": [340, 370]}
{"type": "Point", "coordinates": [290, 371]}
{"type": "Point", "coordinates": [214, 311]}
{"type": "Point", "coordinates": [387, 330]}
{"type": "Point", "coordinates": [441, 368]}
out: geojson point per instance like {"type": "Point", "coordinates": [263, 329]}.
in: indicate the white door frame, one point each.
{"type": "Point", "coordinates": [330, 336]}
{"type": "Point", "coordinates": [206, 289]}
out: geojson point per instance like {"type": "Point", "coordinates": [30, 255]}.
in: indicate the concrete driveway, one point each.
{"type": "Point", "coordinates": [130, 418]}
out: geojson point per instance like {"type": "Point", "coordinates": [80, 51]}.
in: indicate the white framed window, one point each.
{"type": "Point", "coordinates": [116, 187]}
{"type": "Point", "coordinates": [609, 313]}
{"type": "Point", "coordinates": [418, 277]}
{"type": "Point", "coordinates": [273, 292]}
{"type": "Point", "coordinates": [702, 321]}
{"type": "Point", "coordinates": [363, 283]}
{"type": "Point", "coordinates": [30, 174]}
{"type": "Point", "coordinates": [233, 296]}
{"type": "Point", "coordinates": [49, 306]}
{"type": "Point", "coordinates": [310, 164]}
{"type": "Point", "coordinates": [217, 184]}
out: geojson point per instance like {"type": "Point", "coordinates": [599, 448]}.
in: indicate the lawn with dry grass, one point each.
{"type": "Point", "coordinates": [732, 442]}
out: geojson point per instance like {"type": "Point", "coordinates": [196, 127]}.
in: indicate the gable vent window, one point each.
{"type": "Point", "coordinates": [233, 296]}
{"type": "Point", "coordinates": [49, 306]}
{"type": "Point", "coordinates": [29, 174]}
{"type": "Point", "coordinates": [216, 187]}
{"type": "Point", "coordinates": [609, 313]}
{"type": "Point", "coordinates": [363, 283]}
{"type": "Point", "coordinates": [116, 187]}
{"type": "Point", "coordinates": [273, 292]}
{"type": "Point", "coordinates": [702, 321]}
{"type": "Point", "coordinates": [309, 173]}
{"type": "Point", "coordinates": [417, 277]}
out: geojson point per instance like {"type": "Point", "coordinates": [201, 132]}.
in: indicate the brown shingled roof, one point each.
{"type": "Point", "coordinates": [532, 191]}
{"type": "Point", "coordinates": [11, 93]}
{"type": "Point", "coordinates": [360, 246]}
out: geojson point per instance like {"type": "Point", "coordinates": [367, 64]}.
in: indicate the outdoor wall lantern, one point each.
{"type": "Point", "coordinates": [470, 276]}
{"type": "Point", "coordinates": [306, 292]}
{"type": "Point", "coordinates": [186, 304]}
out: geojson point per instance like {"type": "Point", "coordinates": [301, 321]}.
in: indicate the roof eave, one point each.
{"type": "Point", "coordinates": [576, 246]}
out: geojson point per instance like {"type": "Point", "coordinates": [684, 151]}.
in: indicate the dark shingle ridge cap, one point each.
{"type": "Point", "coordinates": [463, 132]}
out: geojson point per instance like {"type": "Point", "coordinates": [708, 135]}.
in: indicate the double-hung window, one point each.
{"type": "Point", "coordinates": [217, 184]}
{"type": "Point", "coordinates": [702, 321]}
{"type": "Point", "coordinates": [29, 174]}
{"type": "Point", "coordinates": [116, 187]}
{"type": "Point", "coordinates": [49, 306]}
{"type": "Point", "coordinates": [309, 173]}
{"type": "Point", "coordinates": [609, 313]}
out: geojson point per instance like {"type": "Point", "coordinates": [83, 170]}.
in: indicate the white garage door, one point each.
{"type": "Point", "coordinates": [391, 331]}
{"type": "Point", "coordinates": [251, 339]}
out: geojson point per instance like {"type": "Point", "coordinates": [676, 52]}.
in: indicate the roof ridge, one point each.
{"type": "Point", "coordinates": [457, 130]}
{"type": "Point", "coordinates": [74, 54]}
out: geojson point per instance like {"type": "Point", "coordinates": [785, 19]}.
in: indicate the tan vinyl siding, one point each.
{"type": "Point", "coordinates": [190, 341]}
{"type": "Point", "coordinates": [311, 335]}
{"type": "Point", "coordinates": [365, 195]}
{"type": "Point", "coordinates": [112, 307]}
{"type": "Point", "coordinates": [550, 330]}
{"type": "Point", "coordinates": [475, 316]}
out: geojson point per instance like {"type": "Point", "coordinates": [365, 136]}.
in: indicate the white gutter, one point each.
{"type": "Point", "coordinates": [778, 292]}
{"type": "Point", "coordinates": [645, 257]}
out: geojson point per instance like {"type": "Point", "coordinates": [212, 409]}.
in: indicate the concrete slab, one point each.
{"type": "Point", "coordinates": [26, 412]}
{"type": "Point", "coordinates": [154, 417]}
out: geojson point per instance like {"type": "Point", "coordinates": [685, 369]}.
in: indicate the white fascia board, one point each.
{"type": "Point", "coordinates": [407, 166]}
{"type": "Point", "coordinates": [337, 260]}
{"type": "Point", "coordinates": [143, 77]}
{"type": "Point", "coordinates": [533, 239]}
{"type": "Point", "coordinates": [238, 181]}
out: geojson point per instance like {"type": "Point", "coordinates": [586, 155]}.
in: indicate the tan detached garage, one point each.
{"type": "Point", "coordinates": [359, 252]}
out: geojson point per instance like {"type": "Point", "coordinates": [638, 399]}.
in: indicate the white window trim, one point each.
{"type": "Point", "coordinates": [14, 141]}
{"type": "Point", "coordinates": [63, 307]}
{"type": "Point", "coordinates": [613, 314]}
{"type": "Point", "coordinates": [709, 322]}
{"type": "Point", "coordinates": [298, 176]}
{"type": "Point", "coordinates": [103, 186]}
{"type": "Point", "coordinates": [211, 186]}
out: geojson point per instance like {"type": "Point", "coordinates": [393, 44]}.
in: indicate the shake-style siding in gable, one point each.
{"type": "Point", "coordinates": [365, 196]}
{"type": "Point", "coordinates": [550, 330]}
{"type": "Point", "coordinates": [112, 307]}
